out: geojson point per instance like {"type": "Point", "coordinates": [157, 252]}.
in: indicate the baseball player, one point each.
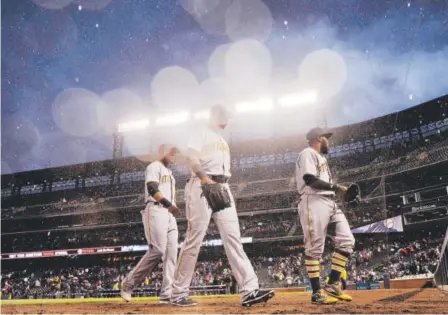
{"type": "Point", "coordinates": [160, 226]}
{"type": "Point", "coordinates": [317, 210]}
{"type": "Point", "coordinates": [208, 195]}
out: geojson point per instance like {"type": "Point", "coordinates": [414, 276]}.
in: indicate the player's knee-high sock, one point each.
{"type": "Point", "coordinates": [338, 263]}
{"type": "Point", "coordinates": [313, 270]}
{"type": "Point", "coordinates": [344, 284]}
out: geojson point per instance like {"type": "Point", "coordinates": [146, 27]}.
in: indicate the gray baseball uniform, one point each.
{"type": "Point", "coordinates": [215, 160]}
{"type": "Point", "coordinates": [160, 231]}
{"type": "Point", "coordinates": [317, 208]}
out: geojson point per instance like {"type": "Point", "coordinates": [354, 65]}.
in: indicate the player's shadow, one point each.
{"type": "Point", "coordinates": [401, 297]}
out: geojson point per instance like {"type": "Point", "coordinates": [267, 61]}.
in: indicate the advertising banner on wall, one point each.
{"type": "Point", "coordinates": [390, 225]}
{"type": "Point", "coordinates": [101, 250]}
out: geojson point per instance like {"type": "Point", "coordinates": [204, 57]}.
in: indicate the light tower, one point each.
{"type": "Point", "coordinates": [117, 150]}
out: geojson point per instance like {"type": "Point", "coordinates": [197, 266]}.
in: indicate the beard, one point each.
{"type": "Point", "coordinates": [324, 149]}
{"type": "Point", "coordinates": [167, 162]}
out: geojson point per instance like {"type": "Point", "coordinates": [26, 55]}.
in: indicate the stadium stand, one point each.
{"type": "Point", "coordinates": [54, 219]}
{"type": "Point", "coordinates": [400, 257]}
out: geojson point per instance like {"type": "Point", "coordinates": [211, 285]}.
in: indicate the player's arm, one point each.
{"type": "Point", "coordinates": [193, 156]}
{"type": "Point", "coordinates": [193, 160]}
{"type": "Point", "coordinates": [153, 190]}
{"type": "Point", "coordinates": [307, 165]}
{"type": "Point", "coordinates": [152, 178]}
{"type": "Point", "coordinates": [316, 183]}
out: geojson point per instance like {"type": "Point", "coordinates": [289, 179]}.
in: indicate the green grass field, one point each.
{"type": "Point", "coordinates": [97, 300]}
{"type": "Point", "coordinates": [116, 299]}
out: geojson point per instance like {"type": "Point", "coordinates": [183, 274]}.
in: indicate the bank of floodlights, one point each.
{"type": "Point", "coordinates": [262, 105]}
{"type": "Point", "coordinates": [133, 125]}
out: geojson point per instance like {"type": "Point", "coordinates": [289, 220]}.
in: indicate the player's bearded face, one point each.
{"type": "Point", "coordinates": [324, 145]}
{"type": "Point", "coordinates": [170, 159]}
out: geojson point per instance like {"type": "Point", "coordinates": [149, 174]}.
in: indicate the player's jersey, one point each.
{"type": "Point", "coordinates": [312, 163]}
{"type": "Point", "coordinates": [214, 151]}
{"type": "Point", "coordinates": [159, 173]}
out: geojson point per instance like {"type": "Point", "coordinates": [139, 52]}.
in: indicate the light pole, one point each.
{"type": "Point", "coordinates": [117, 150]}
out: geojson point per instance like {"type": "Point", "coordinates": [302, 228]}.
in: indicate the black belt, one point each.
{"type": "Point", "coordinates": [221, 179]}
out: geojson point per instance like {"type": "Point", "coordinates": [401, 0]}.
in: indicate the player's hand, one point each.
{"type": "Point", "coordinates": [340, 190]}
{"type": "Point", "coordinates": [174, 210]}
{"type": "Point", "coordinates": [207, 180]}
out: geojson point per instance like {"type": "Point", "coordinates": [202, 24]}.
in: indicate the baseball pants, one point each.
{"type": "Point", "coordinates": [316, 213]}
{"type": "Point", "coordinates": [198, 216]}
{"type": "Point", "coordinates": [162, 236]}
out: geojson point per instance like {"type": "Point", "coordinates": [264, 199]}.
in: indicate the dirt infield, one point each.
{"type": "Point", "coordinates": [366, 302]}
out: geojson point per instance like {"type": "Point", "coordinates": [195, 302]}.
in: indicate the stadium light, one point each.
{"type": "Point", "coordinates": [296, 100]}
{"type": "Point", "coordinates": [265, 104]}
{"type": "Point", "coordinates": [172, 119]}
{"type": "Point", "coordinates": [133, 125]}
{"type": "Point", "coordinates": [201, 115]}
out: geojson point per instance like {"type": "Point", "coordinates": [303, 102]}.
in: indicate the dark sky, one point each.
{"type": "Point", "coordinates": [72, 69]}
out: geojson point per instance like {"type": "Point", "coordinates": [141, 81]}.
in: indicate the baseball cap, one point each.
{"type": "Point", "coordinates": [317, 132]}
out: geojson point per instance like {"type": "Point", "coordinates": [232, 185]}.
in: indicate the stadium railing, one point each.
{"type": "Point", "coordinates": [110, 293]}
{"type": "Point", "coordinates": [441, 273]}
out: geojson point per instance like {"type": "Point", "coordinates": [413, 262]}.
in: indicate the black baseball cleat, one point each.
{"type": "Point", "coordinates": [184, 302]}
{"type": "Point", "coordinates": [257, 296]}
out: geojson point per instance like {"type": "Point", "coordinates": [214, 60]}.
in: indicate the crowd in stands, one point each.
{"type": "Point", "coordinates": [420, 156]}
{"type": "Point", "coordinates": [399, 259]}
{"type": "Point", "coordinates": [127, 208]}
{"type": "Point", "coordinates": [123, 227]}
{"type": "Point", "coordinates": [369, 263]}
{"type": "Point", "coordinates": [87, 204]}
{"type": "Point", "coordinates": [261, 178]}
{"type": "Point", "coordinates": [132, 233]}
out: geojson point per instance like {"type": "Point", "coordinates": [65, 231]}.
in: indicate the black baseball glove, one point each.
{"type": "Point", "coordinates": [217, 196]}
{"type": "Point", "coordinates": [352, 195]}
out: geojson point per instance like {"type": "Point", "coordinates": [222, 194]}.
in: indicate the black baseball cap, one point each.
{"type": "Point", "coordinates": [317, 132]}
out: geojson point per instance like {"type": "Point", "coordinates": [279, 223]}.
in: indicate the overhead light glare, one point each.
{"type": "Point", "coordinates": [265, 104]}
{"type": "Point", "coordinates": [133, 125]}
{"type": "Point", "coordinates": [201, 115]}
{"type": "Point", "coordinates": [297, 100]}
{"type": "Point", "coordinates": [172, 119]}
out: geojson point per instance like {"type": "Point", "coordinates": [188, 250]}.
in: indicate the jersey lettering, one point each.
{"type": "Point", "coordinates": [216, 146]}
{"type": "Point", "coordinates": [214, 151]}
{"type": "Point", "coordinates": [165, 179]}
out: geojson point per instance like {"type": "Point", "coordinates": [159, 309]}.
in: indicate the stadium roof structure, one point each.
{"type": "Point", "coordinates": [433, 110]}
{"type": "Point", "coordinates": [407, 119]}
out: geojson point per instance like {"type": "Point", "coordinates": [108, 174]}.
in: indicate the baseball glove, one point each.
{"type": "Point", "coordinates": [217, 196]}
{"type": "Point", "coordinates": [353, 194]}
